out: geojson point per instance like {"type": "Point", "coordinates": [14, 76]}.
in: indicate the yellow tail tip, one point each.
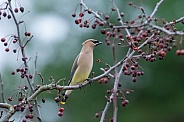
{"type": "Point", "coordinates": [63, 102]}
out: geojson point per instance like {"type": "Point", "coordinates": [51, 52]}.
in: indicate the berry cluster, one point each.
{"type": "Point", "coordinates": [61, 110]}
{"type": "Point", "coordinates": [103, 80]}
{"type": "Point", "coordinates": [21, 108]}
{"type": "Point", "coordinates": [5, 11]}
{"type": "Point", "coordinates": [145, 37]}
{"type": "Point", "coordinates": [93, 21]}
{"type": "Point", "coordinates": [133, 69]}
{"type": "Point", "coordinates": [8, 41]}
{"type": "Point", "coordinates": [180, 52]}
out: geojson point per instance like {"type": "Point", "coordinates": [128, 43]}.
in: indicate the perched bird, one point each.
{"type": "Point", "coordinates": [82, 66]}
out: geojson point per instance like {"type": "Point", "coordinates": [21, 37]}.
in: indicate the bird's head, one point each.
{"type": "Point", "coordinates": [92, 42]}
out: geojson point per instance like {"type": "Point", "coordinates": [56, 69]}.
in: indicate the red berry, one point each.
{"type": "Point", "coordinates": [5, 44]}
{"type": "Point", "coordinates": [4, 14]}
{"type": "Point", "coordinates": [81, 14]}
{"type": "Point", "coordinates": [10, 99]}
{"type": "Point", "coordinates": [74, 15]}
{"type": "Point", "coordinates": [27, 34]}
{"type": "Point", "coordinates": [81, 25]}
{"type": "Point", "coordinates": [162, 53]}
{"type": "Point", "coordinates": [120, 36]}
{"type": "Point", "coordinates": [132, 67]}
{"type": "Point", "coordinates": [126, 101]}
{"type": "Point", "coordinates": [106, 17]}
{"type": "Point", "coordinates": [57, 99]}
{"type": "Point", "coordinates": [144, 34]}
{"type": "Point", "coordinates": [105, 80]}
{"type": "Point", "coordinates": [134, 79]}
{"type": "Point", "coordinates": [7, 49]}
{"type": "Point", "coordinates": [130, 3]}
{"type": "Point", "coordinates": [122, 14]}
{"type": "Point", "coordinates": [16, 10]}
{"type": "Point", "coordinates": [3, 39]}
{"type": "Point", "coordinates": [61, 109]}
{"type": "Point", "coordinates": [98, 61]}
{"type": "Point", "coordinates": [29, 116]}
{"type": "Point", "coordinates": [22, 108]}
{"type": "Point", "coordinates": [30, 106]}
{"type": "Point", "coordinates": [113, 9]}
{"type": "Point", "coordinates": [9, 16]}
{"type": "Point", "coordinates": [25, 87]}
{"type": "Point", "coordinates": [97, 115]}
{"type": "Point", "coordinates": [78, 21]}
{"type": "Point", "coordinates": [101, 23]}
{"type": "Point", "coordinates": [135, 48]}
{"type": "Point", "coordinates": [60, 113]}
{"type": "Point", "coordinates": [21, 9]}
{"type": "Point", "coordinates": [20, 99]}
{"type": "Point", "coordinates": [182, 52]}
{"type": "Point", "coordinates": [14, 41]}
{"type": "Point", "coordinates": [13, 73]}
{"type": "Point", "coordinates": [24, 120]}
{"type": "Point", "coordinates": [103, 31]}
{"type": "Point", "coordinates": [178, 52]}
{"type": "Point", "coordinates": [14, 50]}
{"type": "Point", "coordinates": [15, 106]}
{"type": "Point", "coordinates": [93, 26]}
{"type": "Point", "coordinates": [108, 91]}
{"type": "Point", "coordinates": [30, 76]}
{"type": "Point", "coordinates": [123, 104]}
{"type": "Point", "coordinates": [108, 33]}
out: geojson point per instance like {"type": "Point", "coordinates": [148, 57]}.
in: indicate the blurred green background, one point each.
{"type": "Point", "coordinates": [158, 95]}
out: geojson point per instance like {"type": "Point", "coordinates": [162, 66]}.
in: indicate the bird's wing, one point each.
{"type": "Point", "coordinates": [74, 67]}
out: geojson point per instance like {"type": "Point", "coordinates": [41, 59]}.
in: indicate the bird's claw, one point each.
{"type": "Point", "coordinates": [80, 86]}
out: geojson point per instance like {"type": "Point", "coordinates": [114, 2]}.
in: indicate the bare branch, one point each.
{"type": "Point", "coordinates": [156, 8]}
{"type": "Point", "coordinates": [2, 89]}
{"type": "Point", "coordinates": [119, 16]}
{"type": "Point", "coordinates": [181, 33]}
{"type": "Point", "coordinates": [93, 12]}
{"type": "Point", "coordinates": [105, 111]}
{"type": "Point", "coordinates": [10, 112]}
{"type": "Point", "coordinates": [175, 21]}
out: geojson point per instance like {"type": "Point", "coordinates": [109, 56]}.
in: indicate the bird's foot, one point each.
{"type": "Point", "coordinates": [80, 86]}
{"type": "Point", "coordinates": [89, 80]}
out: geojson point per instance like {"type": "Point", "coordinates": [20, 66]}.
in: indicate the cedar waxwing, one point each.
{"type": "Point", "coordinates": [82, 66]}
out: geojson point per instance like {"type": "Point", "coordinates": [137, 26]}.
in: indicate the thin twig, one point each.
{"type": "Point", "coordinates": [105, 111]}
{"type": "Point", "coordinates": [156, 8]}
{"type": "Point", "coordinates": [175, 21]}
{"type": "Point", "coordinates": [119, 16]}
{"type": "Point", "coordinates": [24, 56]}
{"type": "Point", "coordinates": [93, 12]}
{"type": "Point", "coordinates": [111, 75]}
{"type": "Point", "coordinates": [152, 14]}
{"type": "Point", "coordinates": [20, 44]}
{"type": "Point", "coordinates": [181, 33]}
{"type": "Point", "coordinates": [2, 89]}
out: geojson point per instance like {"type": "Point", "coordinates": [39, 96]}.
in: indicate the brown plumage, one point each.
{"type": "Point", "coordinates": [82, 65]}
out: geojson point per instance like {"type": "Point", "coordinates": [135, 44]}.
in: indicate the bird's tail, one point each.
{"type": "Point", "coordinates": [65, 96]}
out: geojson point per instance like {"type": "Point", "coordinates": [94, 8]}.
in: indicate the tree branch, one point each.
{"type": "Point", "coordinates": [2, 89]}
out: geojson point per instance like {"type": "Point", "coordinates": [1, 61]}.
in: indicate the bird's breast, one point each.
{"type": "Point", "coordinates": [83, 70]}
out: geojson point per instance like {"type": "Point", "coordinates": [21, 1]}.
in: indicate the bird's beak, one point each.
{"type": "Point", "coordinates": [97, 43]}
